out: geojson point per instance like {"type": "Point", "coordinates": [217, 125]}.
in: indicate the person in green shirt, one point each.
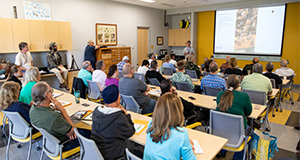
{"type": "Point", "coordinates": [85, 73]}
{"type": "Point", "coordinates": [234, 102]}
{"type": "Point", "coordinates": [32, 76]}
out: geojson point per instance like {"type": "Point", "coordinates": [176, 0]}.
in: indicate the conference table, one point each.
{"type": "Point", "coordinates": [210, 144]}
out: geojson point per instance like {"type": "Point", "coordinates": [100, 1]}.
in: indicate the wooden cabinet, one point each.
{"type": "Point", "coordinates": [65, 36]}
{"type": "Point", "coordinates": [6, 36]}
{"type": "Point", "coordinates": [20, 32]}
{"type": "Point", "coordinates": [37, 33]}
{"type": "Point", "coordinates": [112, 55]}
{"type": "Point", "coordinates": [179, 37]}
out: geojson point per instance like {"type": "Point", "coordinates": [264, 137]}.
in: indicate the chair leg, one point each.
{"type": "Point", "coordinates": [29, 148]}
{"type": "Point", "coordinates": [41, 157]}
{"type": "Point", "coordinates": [7, 149]}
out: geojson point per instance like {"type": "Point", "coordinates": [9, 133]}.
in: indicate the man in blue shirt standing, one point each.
{"type": "Point", "coordinates": [213, 80]}
{"type": "Point", "coordinates": [89, 53]}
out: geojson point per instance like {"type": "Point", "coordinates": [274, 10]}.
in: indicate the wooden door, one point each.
{"type": "Point", "coordinates": [20, 32]}
{"type": "Point", "coordinates": [51, 33]}
{"type": "Point", "coordinates": [6, 36]}
{"type": "Point", "coordinates": [37, 35]}
{"type": "Point", "coordinates": [65, 36]}
{"type": "Point", "coordinates": [142, 45]}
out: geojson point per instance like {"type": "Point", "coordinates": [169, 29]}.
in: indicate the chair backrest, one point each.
{"type": "Point", "coordinates": [93, 90]}
{"type": "Point", "coordinates": [131, 156]}
{"type": "Point", "coordinates": [139, 76]}
{"type": "Point", "coordinates": [273, 83]}
{"type": "Point", "coordinates": [78, 84]}
{"type": "Point", "coordinates": [256, 97]}
{"type": "Point", "coordinates": [154, 81]}
{"type": "Point", "coordinates": [50, 143]}
{"type": "Point", "coordinates": [131, 104]}
{"type": "Point", "coordinates": [120, 74]}
{"type": "Point", "coordinates": [18, 126]}
{"type": "Point", "coordinates": [228, 126]}
{"type": "Point", "coordinates": [206, 73]}
{"type": "Point", "coordinates": [191, 73]}
{"type": "Point", "coordinates": [168, 71]}
{"type": "Point", "coordinates": [211, 91]}
{"type": "Point", "coordinates": [88, 148]}
{"type": "Point", "coordinates": [183, 86]}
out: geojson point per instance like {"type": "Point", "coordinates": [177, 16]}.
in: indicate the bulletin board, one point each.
{"type": "Point", "coordinates": [106, 34]}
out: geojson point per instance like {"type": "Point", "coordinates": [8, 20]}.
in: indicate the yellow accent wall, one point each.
{"type": "Point", "coordinates": [291, 40]}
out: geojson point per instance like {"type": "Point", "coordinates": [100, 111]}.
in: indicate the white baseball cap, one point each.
{"type": "Point", "coordinates": [125, 58]}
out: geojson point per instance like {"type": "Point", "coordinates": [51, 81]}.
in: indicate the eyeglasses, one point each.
{"type": "Point", "coordinates": [51, 90]}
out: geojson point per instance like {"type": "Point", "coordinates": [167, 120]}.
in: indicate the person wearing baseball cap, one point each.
{"type": "Point", "coordinates": [55, 65]}
{"type": "Point", "coordinates": [89, 52]}
{"type": "Point", "coordinates": [112, 125]}
{"type": "Point", "coordinates": [121, 64]}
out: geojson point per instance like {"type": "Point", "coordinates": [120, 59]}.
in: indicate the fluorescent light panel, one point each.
{"type": "Point", "coordinates": [149, 1]}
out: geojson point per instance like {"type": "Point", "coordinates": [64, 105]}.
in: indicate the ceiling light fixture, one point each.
{"type": "Point", "coordinates": [149, 1]}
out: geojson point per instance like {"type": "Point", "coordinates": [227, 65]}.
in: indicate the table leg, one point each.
{"type": "Point", "coordinates": [279, 101]}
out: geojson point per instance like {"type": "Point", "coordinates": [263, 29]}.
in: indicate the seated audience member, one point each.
{"type": "Point", "coordinates": [248, 67]}
{"type": "Point", "coordinates": [233, 67]}
{"type": "Point", "coordinates": [151, 57]}
{"type": "Point", "coordinates": [180, 76]}
{"type": "Point", "coordinates": [213, 80]}
{"type": "Point", "coordinates": [226, 65]}
{"type": "Point", "coordinates": [256, 81]}
{"type": "Point", "coordinates": [112, 76]}
{"type": "Point", "coordinates": [122, 63]}
{"type": "Point", "coordinates": [32, 76]}
{"type": "Point", "coordinates": [168, 64]}
{"type": "Point", "coordinates": [166, 137]}
{"type": "Point", "coordinates": [152, 73]}
{"type": "Point", "coordinates": [112, 126]}
{"type": "Point", "coordinates": [85, 73]}
{"type": "Point", "coordinates": [166, 87]}
{"type": "Point", "coordinates": [190, 65]}
{"type": "Point", "coordinates": [136, 88]}
{"type": "Point", "coordinates": [45, 116]}
{"type": "Point", "coordinates": [172, 61]}
{"type": "Point", "coordinates": [55, 65]}
{"type": "Point", "coordinates": [203, 65]}
{"type": "Point", "coordinates": [270, 75]}
{"type": "Point", "coordinates": [206, 65]}
{"type": "Point", "coordinates": [284, 70]}
{"type": "Point", "coordinates": [15, 73]}
{"type": "Point", "coordinates": [99, 75]}
{"type": "Point", "coordinates": [24, 58]}
{"type": "Point", "coordinates": [9, 95]}
{"type": "Point", "coordinates": [234, 102]}
{"type": "Point", "coordinates": [144, 67]}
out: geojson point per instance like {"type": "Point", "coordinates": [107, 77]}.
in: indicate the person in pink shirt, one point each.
{"type": "Point", "coordinates": [112, 76]}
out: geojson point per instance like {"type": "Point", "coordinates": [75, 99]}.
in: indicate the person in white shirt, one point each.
{"type": "Point", "coordinates": [23, 58]}
{"type": "Point", "coordinates": [284, 70]}
{"type": "Point", "coordinates": [188, 49]}
{"type": "Point", "coordinates": [173, 60]}
{"type": "Point", "coordinates": [151, 57]}
{"type": "Point", "coordinates": [99, 75]}
{"type": "Point", "coordinates": [144, 67]}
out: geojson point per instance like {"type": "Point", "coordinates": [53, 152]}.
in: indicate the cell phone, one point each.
{"type": "Point", "coordinates": [214, 99]}
{"type": "Point", "coordinates": [85, 104]}
{"type": "Point", "coordinates": [192, 98]}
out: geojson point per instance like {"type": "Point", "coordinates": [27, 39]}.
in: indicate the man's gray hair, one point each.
{"type": "Point", "coordinates": [257, 68]}
{"type": "Point", "coordinates": [99, 64]}
{"type": "Point", "coordinates": [269, 66]}
{"type": "Point", "coordinates": [126, 69]}
{"type": "Point", "coordinates": [38, 92]}
{"type": "Point", "coordinates": [213, 67]}
{"type": "Point", "coordinates": [283, 63]}
{"type": "Point", "coordinates": [85, 64]}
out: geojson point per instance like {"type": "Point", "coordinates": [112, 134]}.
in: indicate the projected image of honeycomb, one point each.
{"type": "Point", "coordinates": [245, 33]}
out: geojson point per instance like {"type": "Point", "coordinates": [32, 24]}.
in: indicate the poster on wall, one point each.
{"type": "Point", "coordinates": [106, 34]}
{"type": "Point", "coordinates": [37, 11]}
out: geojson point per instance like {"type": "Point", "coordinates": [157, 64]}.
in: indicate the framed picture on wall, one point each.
{"type": "Point", "coordinates": [160, 40]}
{"type": "Point", "coordinates": [106, 34]}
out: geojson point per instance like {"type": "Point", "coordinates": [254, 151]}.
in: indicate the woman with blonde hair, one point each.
{"type": "Point", "coordinates": [9, 95]}
{"type": "Point", "coordinates": [190, 65]}
{"type": "Point", "coordinates": [233, 67]}
{"type": "Point", "coordinates": [234, 102]}
{"type": "Point", "coordinates": [32, 76]}
{"type": "Point", "coordinates": [168, 64]}
{"type": "Point", "coordinates": [166, 137]}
